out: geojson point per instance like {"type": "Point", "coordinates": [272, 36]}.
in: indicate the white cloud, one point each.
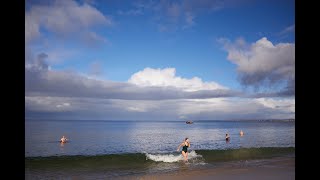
{"type": "Point", "coordinates": [274, 103]}
{"type": "Point", "coordinates": [136, 109]}
{"type": "Point", "coordinates": [263, 62]}
{"type": "Point", "coordinates": [63, 105]}
{"type": "Point", "coordinates": [288, 29]}
{"type": "Point", "coordinates": [229, 106]}
{"type": "Point", "coordinates": [167, 78]}
{"type": "Point", "coordinates": [39, 80]}
{"type": "Point", "coordinates": [47, 104]}
{"type": "Point", "coordinates": [236, 108]}
{"type": "Point", "coordinates": [135, 106]}
{"type": "Point", "coordinates": [157, 94]}
{"type": "Point", "coordinates": [216, 108]}
{"type": "Point", "coordinates": [63, 17]}
{"type": "Point", "coordinates": [263, 56]}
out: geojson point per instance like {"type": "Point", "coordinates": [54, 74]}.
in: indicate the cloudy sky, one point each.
{"type": "Point", "coordinates": [160, 60]}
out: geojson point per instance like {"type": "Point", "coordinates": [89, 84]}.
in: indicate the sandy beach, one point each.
{"type": "Point", "coordinates": [280, 168]}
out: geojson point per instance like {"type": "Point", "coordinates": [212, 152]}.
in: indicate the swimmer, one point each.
{"type": "Point", "coordinates": [185, 146]}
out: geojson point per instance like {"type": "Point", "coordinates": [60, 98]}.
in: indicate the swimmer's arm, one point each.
{"type": "Point", "coordinates": [179, 146]}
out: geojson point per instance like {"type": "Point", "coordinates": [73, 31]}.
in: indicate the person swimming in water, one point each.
{"type": "Point", "coordinates": [241, 133]}
{"type": "Point", "coordinates": [227, 137]}
{"type": "Point", "coordinates": [63, 139]}
{"type": "Point", "coordinates": [185, 146]}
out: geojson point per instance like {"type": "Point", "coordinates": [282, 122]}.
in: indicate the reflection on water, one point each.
{"type": "Point", "coordinates": [109, 137]}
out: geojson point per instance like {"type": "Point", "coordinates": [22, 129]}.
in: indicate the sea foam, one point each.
{"type": "Point", "coordinates": [170, 157]}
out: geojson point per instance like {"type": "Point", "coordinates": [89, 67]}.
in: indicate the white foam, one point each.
{"type": "Point", "coordinates": [170, 157]}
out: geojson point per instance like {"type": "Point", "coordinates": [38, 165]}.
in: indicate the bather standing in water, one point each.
{"type": "Point", "coordinates": [227, 138]}
{"type": "Point", "coordinates": [185, 146]}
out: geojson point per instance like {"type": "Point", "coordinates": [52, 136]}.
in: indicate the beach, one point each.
{"type": "Point", "coordinates": [279, 168]}
{"type": "Point", "coordinates": [158, 89]}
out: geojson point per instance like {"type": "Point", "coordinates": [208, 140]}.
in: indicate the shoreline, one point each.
{"type": "Point", "coordinates": [246, 163]}
{"type": "Point", "coordinates": [278, 168]}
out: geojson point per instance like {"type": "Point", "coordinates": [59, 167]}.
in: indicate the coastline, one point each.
{"type": "Point", "coordinates": [278, 168]}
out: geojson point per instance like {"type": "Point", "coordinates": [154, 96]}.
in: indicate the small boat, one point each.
{"type": "Point", "coordinates": [189, 122]}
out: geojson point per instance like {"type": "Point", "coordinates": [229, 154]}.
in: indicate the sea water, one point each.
{"type": "Point", "coordinates": [116, 137]}
{"type": "Point", "coordinates": [103, 149]}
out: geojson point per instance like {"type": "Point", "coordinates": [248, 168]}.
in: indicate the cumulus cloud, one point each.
{"type": "Point", "coordinates": [63, 18]}
{"type": "Point", "coordinates": [163, 95]}
{"type": "Point", "coordinates": [263, 63]}
{"type": "Point", "coordinates": [166, 77]}
{"type": "Point", "coordinates": [156, 94]}
{"type": "Point", "coordinates": [41, 81]}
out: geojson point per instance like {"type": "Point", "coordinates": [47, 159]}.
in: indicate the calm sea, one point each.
{"type": "Point", "coordinates": [113, 149]}
{"type": "Point", "coordinates": [92, 137]}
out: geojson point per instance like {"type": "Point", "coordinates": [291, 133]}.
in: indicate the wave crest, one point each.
{"type": "Point", "coordinates": [170, 157]}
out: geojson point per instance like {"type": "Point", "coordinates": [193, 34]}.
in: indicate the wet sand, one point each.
{"type": "Point", "coordinates": [281, 168]}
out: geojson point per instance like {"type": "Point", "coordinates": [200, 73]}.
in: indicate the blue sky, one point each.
{"type": "Point", "coordinates": [219, 52]}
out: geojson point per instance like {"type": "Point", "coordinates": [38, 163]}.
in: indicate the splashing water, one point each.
{"type": "Point", "coordinates": [171, 157]}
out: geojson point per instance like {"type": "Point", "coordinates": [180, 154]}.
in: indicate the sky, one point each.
{"type": "Point", "coordinates": [160, 60]}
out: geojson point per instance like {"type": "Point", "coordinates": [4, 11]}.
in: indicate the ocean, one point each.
{"type": "Point", "coordinates": [108, 149]}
